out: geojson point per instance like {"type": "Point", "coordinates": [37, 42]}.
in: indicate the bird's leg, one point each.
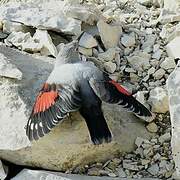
{"type": "Point", "coordinates": [70, 118]}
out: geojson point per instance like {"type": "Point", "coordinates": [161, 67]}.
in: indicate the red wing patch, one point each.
{"type": "Point", "coordinates": [120, 88]}
{"type": "Point", "coordinates": [45, 100]}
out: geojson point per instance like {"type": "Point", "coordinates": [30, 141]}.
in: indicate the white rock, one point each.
{"type": "Point", "coordinates": [153, 169]}
{"type": "Point", "coordinates": [110, 34]}
{"type": "Point", "coordinates": [128, 40]}
{"type": "Point", "coordinates": [9, 27]}
{"type": "Point", "coordinates": [139, 61]}
{"type": "Point", "coordinates": [145, 2]}
{"type": "Point", "coordinates": [152, 127]}
{"type": "Point", "coordinates": [109, 55]}
{"type": "Point", "coordinates": [9, 70]}
{"type": "Point", "coordinates": [110, 67]}
{"type": "Point", "coordinates": [149, 42]}
{"type": "Point", "coordinates": [85, 51]}
{"type": "Point", "coordinates": [121, 173]}
{"type": "Point", "coordinates": [174, 105]}
{"type": "Point", "coordinates": [46, 15]}
{"type": "Point", "coordinates": [159, 100]}
{"type": "Point", "coordinates": [172, 48]}
{"type": "Point", "coordinates": [2, 171]}
{"type": "Point", "coordinates": [87, 41]}
{"type": "Point", "coordinates": [70, 139]}
{"type": "Point", "coordinates": [157, 54]}
{"type": "Point", "coordinates": [168, 63]}
{"type": "Point", "coordinates": [89, 15]}
{"type": "Point", "coordinates": [165, 137]}
{"type": "Point", "coordinates": [24, 41]}
{"type": "Point", "coordinates": [151, 71]}
{"type": "Point", "coordinates": [173, 7]}
{"type": "Point", "coordinates": [139, 141]}
{"type": "Point", "coordinates": [48, 48]}
{"type": "Point", "coordinates": [159, 73]}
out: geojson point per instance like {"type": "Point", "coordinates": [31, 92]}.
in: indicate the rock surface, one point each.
{"type": "Point", "coordinates": [70, 139]}
{"type": "Point", "coordinates": [2, 171]}
{"type": "Point", "coordinates": [36, 175]}
{"type": "Point", "coordinates": [174, 105]}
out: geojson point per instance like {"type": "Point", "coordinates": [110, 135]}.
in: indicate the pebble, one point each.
{"type": "Point", "coordinates": [110, 67]}
{"type": "Point", "coordinates": [159, 73]}
{"type": "Point", "coordinates": [152, 127]}
{"type": "Point", "coordinates": [128, 40]}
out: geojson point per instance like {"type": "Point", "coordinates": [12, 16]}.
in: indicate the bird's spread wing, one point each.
{"type": "Point", "coordinates": [52, 104]}
{"type": "Point", "coordinates": [112, 92]}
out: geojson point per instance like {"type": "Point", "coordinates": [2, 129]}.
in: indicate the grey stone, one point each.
{"type": "Point", "coordinates": [87, 41]}
{"type": "Point", "coordinates": [139, 61]}
{"type": "Point", "coordinates": [110, 67]}
{"type": "Point", "coordinates": [110, 34]}
{"type": "Point", "coordinates": [145, 2]}
{"type": "Point", "coordinates": [152, 127]}
{"type": "Point", "coordinates": [159, 73]}
{"type": "Point", "coordinates": [168, 63]}
{"type": "Point", "coordinates": [109, 55]}
{"type": "Point", "coordinates": [40, 15]}
{"type": "Point", "coordinates": [159, 100]}
{"type": "Point", "coordinates": [70, 139]}
{"type": "Point", "coordinates": [165, 137]}
{"type": "Point", "coordinates": [128, 40]}
{"type": "Point", "coordinates": [37, 175]}
{"type": "Point", "coordinates": [153, 169]}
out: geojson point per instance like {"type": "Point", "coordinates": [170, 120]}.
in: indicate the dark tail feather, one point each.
{"type": "Point", "coordinates": [96, 124]}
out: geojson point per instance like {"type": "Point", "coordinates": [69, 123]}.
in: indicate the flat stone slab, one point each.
{"type": "Point", "coordinates": [47, 175]}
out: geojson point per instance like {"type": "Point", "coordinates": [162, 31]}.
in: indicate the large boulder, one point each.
{"type": "Point", "coordinates": [173, 84]}
{"type": "Point", "coordinates": [67, 145]}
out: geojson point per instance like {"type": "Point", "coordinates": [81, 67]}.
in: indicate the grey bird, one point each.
{"type": "Point", "coordinates": [75, 85]}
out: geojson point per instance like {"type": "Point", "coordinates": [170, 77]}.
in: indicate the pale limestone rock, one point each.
{"type": "Point", "coordinates": [173, 88]}
{"type": "Point", "coordinates": [86, 51]}
{"type": "Point", "coordinates": [110, 66]}
{"type": "Point", "coordinates": [152, 127]}
{"type": "Point", "coordinates": [173, 48]}
{"type": "Point", "coordinates": [110, 34]}
{"type": "Point", "coordinates": [87, 41]}
{"type": "Point", "coordinates": [23, 41]}
{"type": "Point", "coordinates": [153, 169]}
{"type": "Point", "coordinates": [9, 70]}
{"type": "Point", "coordinates": [42, 15]}
{"type": "Point", "coordinates": [70, 139]}
{"type": "Point", "coordinates": [1, 25]}
{"type": "Point", "coordinates": [109, 55]}
{"type": "Point", "coordinates": [158, 99]}
{"type": "Point", "coordinates": [159, 74]}
{"type": "Point", "coordinates": [145, 2]}
{"type": "Point", "coordinates": [2, 171]}
{"type": "Point", "coordinates": [28, 174]}
{"type": "Point", "coordinates": [128, 40]}
{"type": "Point", "coordinates": [9, 27]}
{"type": "Point", "coordinates": [168, 63]}
{"type": "Point", "coordinates": [139, 61]}
{"type": "Point", "coordinates": [165, 137]}
{"type": "Point", "coordinates": [89, 15]}
{"type": "Point", "coordinates": [48, 48]}
{"type": "Point", "coordinates": [172, 6]}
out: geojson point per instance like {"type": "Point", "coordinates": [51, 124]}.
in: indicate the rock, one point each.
{"type": "Point", "coordinates": [128, 164]}
{"type": "Point", "coordinates": [168, 63]}
{"type": "Point", "coordinates": [3, 35]}
{"type": "Point", "coordinates": [85, 51]}
{"type": "Point", "coordinates": [172, 7]}
{"type": "Point", "coordinates": [145, 2]}
{"type": "Point", "coordinates": [93, 171]}
{"type": "Point", "coordinates": [121, 173]}
{"type": "Point", "coordinates": [174, 94]}
{"type": "Point", "coordinates": [139, 141]}
{"type": "Point", "coordinates": [153, 169]}
{"type": "Point", "coordinates": [157, 54]}
{"type": "Point", "coordinates": [41, 15]}
{"type": "Point", "coordinates": [159, 73]}
{"type": "Point", "coordinates": [1, 25]}
{"type": "Point", "coordinates": [24, 41]}
{"type": "Point", "coordinates": [128, 40]}
{"type": "Point", "coordinates": [70, 139]}
{"type": "Point", "coordinates": [9, 70]}
{"type": "Point", "coordinates": [86, 14]}
{"type": "Point", "coordinates": [110, 34]}
{"type": "Point", "coordinates": [27, 174]}
{"type": "Point", "coordinates": [172, 48]}
{"type": "Point", "coordinates": [87, 41]}
{"type": "Point", "coordinates": [152, 127]}
{"type": "Point", "coordinates": [151, 71]}
{"type": "Point", "coordinates": [3, 174]}
{"type": "Point", "coordinates": [165, 137]}
{"type": "Point", "coordinates": [110, 67]}
{"type": "Point", "coordinates": [48, 48]}
{"type": "Point", "coordinates": [159, 100]}
{"type": "Point", "coordinates": [109, 55]}
{"type": "Point", "coordinates": [9, 27]}
{"type": "Point", "coordinates": [139, 61]}
{"type": "Point", "coordinates": [148, 43]}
